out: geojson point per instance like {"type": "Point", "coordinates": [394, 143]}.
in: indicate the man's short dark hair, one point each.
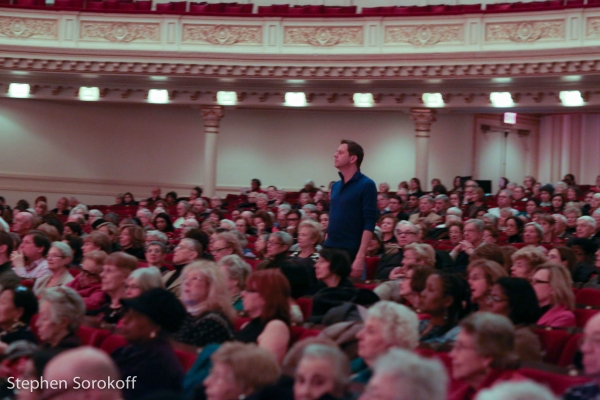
{"type": "Point", "coordinates": [5, 239]}
{"type": "Point", "coordinates": [257, 181]}
{"type": "Point", "coordinates": [40, 239]}
{"type": "Point", "coordinates": [395, 197]}
{"type": "Point", "coordinates": [296, 213]}
{"type": "Point", "coordinates": [355, 149]}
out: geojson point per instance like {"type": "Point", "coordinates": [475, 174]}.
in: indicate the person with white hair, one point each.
{"type": "Point", "coordinates": [59, 258]}
{"type": "Point", "coordinates": [560, 227]}
{"type": "Point", "coordinates": [322, 372]}
{"type": "Point", "coordinates": [403, 375]}
{"type": "Point", "coordinates": [586, 227]}
{"type": "Point", "coordinates": [145, 216]}
{"type": "Point", "coordinates": [406, 233]}
{"type": "Point", "coordinates": [426, 213]}
{"type": "Point", "coordinates": [525, 390]}
{"type": "Point", "coordinates": [504, 199]}
{"type": "Point", "coordinates": [227, 224]}
{"type": "Point", "coordinates": [387, 325]}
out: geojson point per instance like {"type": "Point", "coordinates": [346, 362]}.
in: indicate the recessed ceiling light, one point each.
{"type": "Point", "coordinates": [158, 96]}
{"type": "Point", "coordinates": [295, 99]}
{"type": "Point", "coordinates": [571, 98]}
{"type": "Point", "coordinates": [501, 99]}
{"type": "Point", "coordinates": [227, 98]}
{"type": "Point", "coordinates": [433, 100]}
{"type": "Point", "coordinates": [89, 93]}
{"type": "Point", "coordinates": [363, 99]}
{"type": "Point", "coordinates": [502, 80]}
{"type": "Point", "coordinates": [19, 90]}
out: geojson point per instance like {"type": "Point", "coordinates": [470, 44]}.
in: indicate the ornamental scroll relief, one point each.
{"type": "Point", "coordinates": [324, 36]}
{"type": "Point", "coordinates": [592, 28]}
{"type": "Point", "coordinates": [223, 34]}
{"type": "Point", "coordinates": [28, 27]}
{"type": "Point", "coordinates": [525, 32]}
{"type": "Point", "coordinates": [120, 32]}
{"type": "Point", "coordinates": [424, 35]}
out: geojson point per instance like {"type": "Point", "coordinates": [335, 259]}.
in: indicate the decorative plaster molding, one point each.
{"type": "Point", "coordinates": [425, 35]}
{"type": "Point", "coordinates": [212, 117]}
{"type": "Point", "coordinates": [222, 34]}
{"type": "Point", "coordinates": [423, 118]}
{"type": "Point", "coordinates": [120, 32]}
{"type": "Point", "coordinates": [592, 28]}
{"type": "Point", "coordinates": [324, 35]}
{"type": "Point", "coordinates": [24, 28]}
{"type": "Point", "coordinates": [526, 31]}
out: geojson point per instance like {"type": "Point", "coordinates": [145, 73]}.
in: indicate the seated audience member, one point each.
{"type": "Point", "coordinates": [162, 222]}
{"type": "Point", "coordinates": [564, 256]}
{"type": "Point", "coordinates": [558, 204]}
{"type": "Point", "coordinates": [141, 280]}
{"type": "Point", "coordinates": [515, 299]}
{"type": "Point", "coordinates": [553, 287]}
{"type": "Point", "coordinates": [547, 223]}
{"type": "Point", "coordinates": [263, 222]}
{"type": "Point", "coordinates": [117, 268]}
{"type": "Point", "coordinates": [446, 300]}
{"type": "Point", "coordinates": [490, 219]}
{"type": "Point", "coordinates": [406, 233]}
{"type": "Point", "coordinates": [128, 200]}
{"type": "Point", "coordinates": [545, 195]}
{"type": "Point", "coordinates": [504, 199]}
{"type": "Point", "coordinates": [23, 222]}
{"type": "Point", "coordinates": [182, 209]}
{"type": "Point", "coordinates": [395, 208]}
{"type": "Point", "coordinates": [50, 231]}
{"type": "Point", "coordinates": [239, 371]}
{"type": "Point", "coordinates": [236, 271]}
{"type": "Point", "coordinates": [29, 261]}
{"type": "Point", "coordinates": [309, 236]}
{"type": "Point", "coordinates": [62, 207]}
{"type": "Point", "coordinates": [210, 315]}
{"type": "Point", "coordinates": [571, 214]}
{"type": "Point", "coordinates": [300, 272]}
{"type": "Point", "coordinates": [584, 251]}
{"type": "Point", "coordinates": [132, 240]}
{"type": "Point", "coordinates": [155, 255]}
{"type": "Point", "coordinates": [387, 224]}
{"type": "Point", "coordinates": [148, 356]}
{"type": "Point", "coordinates": [88, 282]}
{"type": "Point", "coordinates": [414, 283]}
{"type": "Point", "coordinates": [560, 227]}
{"type": "Point", "coordinates": [490, 235]}
{"type": "Point", "coordinates": [387, 325]}
{"type": "Point", "coordinates": [186, 252]}
{"type": "Point", "coordinates": [59, 258]}
{"type": "Point", "coordinates": [72, 229]}
{"type": "Point", "coordinates": [525, 260]}
{"type": "Point", "coordinates": [7, 275]}
{"type": "Point", "coordinates": [323, 372]}
{"type": "Point", "coordinates": [590, 346]}
{"type": "Point", "coordinates": [528, 390]}
{"type": "Point", "coordinates": [483, 355]}
{"type": "Point", "coordinates": [267, 302]}
{"type": "Point", "coordinates": [455, 232]}
{"type": "Point", "coordinates": [225, 244]}
{"type": "Point", "coordinates": [97, 240]}
{"type": "Point", "coordinates": [60, 315]}
{"type": "Point", "coordinates": [586, 227]}
{"type": "Point", "coordinates": [482, 274]}
{"type": "Point", "coordinates": [593, 204]}
{"type": "Point", "coordinates": [292, 221]}
{"type": "Point", "coordinates": [473, 238]}
{"type": "Point", "coordinates": [404, 375]}
{"type": "Point", "coordinates": [477, 205]}
{"type": "Point", "coordinates": [514, 230]}
{"type": "Point", "coordinates": [425, 214]}
{"type": "Point", "coordinates": [18, 305]}
{"type": "Point", "coordinates": [533, 234]}
{"type": "Point", "coordinates": [382, 203]}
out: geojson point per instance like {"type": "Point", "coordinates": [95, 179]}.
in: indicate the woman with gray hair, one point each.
{"type": "Point", "coordinates": [141, 280]}
{"type": "Point", "coordinates": [237, 271]}
{"type": "Point", "coordinates": [60, 315]}
{"type": "Point", "coordinates": [59, 257]}
{"type": "Point", "coordinates": [387, 325]}
{"type": "Point", "coordinates": [322, 371]}
{"type": "Point", "coordinates": [483, 354]}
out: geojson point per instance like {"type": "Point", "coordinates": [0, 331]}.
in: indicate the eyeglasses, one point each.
{"type": "Point", "coordinates": [54, 256]}
{"type": "Point", "coordinates": [498, 299]}
{"type": "Point", "coordinates": [221, 249]}
{"type": "Point", "coordinates": [87, 273]}
{"type": "Point", "coordinates": [293, 219]}
{"type": "Point", "coordinates": [536, 281]}
{"type": "Point", "coordinates": [273, 243]}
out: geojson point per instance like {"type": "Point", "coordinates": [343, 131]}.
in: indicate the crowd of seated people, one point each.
{"type": "Point", "coordinates": [455, 281]}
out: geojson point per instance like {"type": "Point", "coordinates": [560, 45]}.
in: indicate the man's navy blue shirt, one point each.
{"type": "Point", "coordinates": [353, 210]}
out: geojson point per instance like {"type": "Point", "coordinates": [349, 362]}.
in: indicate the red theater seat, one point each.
{"type": "Point", "coordinates": [570, 350]}
{"type": "Point", "coordinates": [557, 383]}
{"type": "Point", "coordinates": [186, 359]}
{"type": "Point", "coordinates": [371, 264]}
{"type": "Point", "coordinates": [588, 297]}
{"type": "Point", "coordinates": [583, 315]}
{"type": "Point", "coordinates": [553, 343]}
{"type": "Point", "coordinates": [113, 342]}
{"type": "Point", "coordinates": [305, 304]}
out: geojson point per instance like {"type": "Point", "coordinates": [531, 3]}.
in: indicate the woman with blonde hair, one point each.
{"type": "Point", "coordinates": [59, 257]}
{"type": "Point", "coordinates": [525, 260]}
{"type": "Point", "coordinates": [225, 244]}
{"type": "Point", "coordinates": [553, 287]}
{"type": "Point", "coordinates": [210, 314]}
{"type": "Point", "coordinates": [482, 274]}
{"type": "Point", "coordinates": [310, 234]}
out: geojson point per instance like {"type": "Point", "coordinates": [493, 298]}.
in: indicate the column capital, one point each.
{"type": "Point", "coordinates": [212, 116]}
{"type": "Point", "coordinates": [422, 117]}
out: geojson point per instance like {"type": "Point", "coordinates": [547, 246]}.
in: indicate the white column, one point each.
{"type": "Point", "coordinates": [423, 118]}
{"type": "Point", "coordinates": [212, 116]}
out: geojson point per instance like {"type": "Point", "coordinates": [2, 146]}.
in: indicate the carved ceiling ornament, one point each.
{"type": "Point", "coordinates": [525, 32]}
{"type": "Point", "coordinates": [324, 35]}
{"type": "Point", "coordinates": [424, 35]}
{"type": "Point", "coordinates": [28, 27]}
{"type": "Point", "coordinates": [592, 28]}
{"type": "Point", "coordinates": [119, 32]}
{"type": "Point", "coordinates": [222, 34]}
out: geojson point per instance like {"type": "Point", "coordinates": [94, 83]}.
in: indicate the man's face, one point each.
{"type": "Point", "coordinates": [394, 205]}
{"type": "Point", "coordinates": [342, 158]}
{"type": "Point", "coordinates": [156, 192]}
{"type": "Point", "coordinates": [271, 193]}
{"type": "Point", "coordinates": [471, 235]}
{"type": "Point", "coordinates": [425, 206]}
{"type": "Point", "coordinates": [199, 206]}
{"type": "Point", "coordinates": [184, 253]}
{"type": "Point", "coordinates": [143, 218]}
{"type": "Point", "coordinates": [503, 200]}
{"type": "Point", "coordinates": [382, 202]}
{"type": "Point", "coordinates": [413, 201]}
{"type": "Point", "coordinates": [590, 347]}
{"type": "Point", "coordinates": [30, 251]}
{"type": "Point", "coordinates": [584, 230]}
{"type": "Point", "coordinates": [22, 223]}
{"type": "Point", "coordinates": [518, 193]}
{"type": "Point", "coordinates": [252, 197]}
{"type": "Point", "coordinates": [440, 205]}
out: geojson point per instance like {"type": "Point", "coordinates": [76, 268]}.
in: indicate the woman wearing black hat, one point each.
{"type": "Point", "coordinates": [147, 323]}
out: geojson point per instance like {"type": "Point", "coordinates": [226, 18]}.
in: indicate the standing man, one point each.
{"type": "Point", "coordinates": [353, 211]}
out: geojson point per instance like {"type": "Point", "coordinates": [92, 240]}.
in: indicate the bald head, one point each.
{"type": "Point", "coordinates": [87, 363]}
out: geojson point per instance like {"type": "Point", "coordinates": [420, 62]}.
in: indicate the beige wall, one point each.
{"type": "Point", "coordinates": [94, 150]}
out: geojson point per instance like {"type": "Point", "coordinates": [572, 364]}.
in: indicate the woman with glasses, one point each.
{"type": "Point", "coordinates": [17, 306]}
{"type": "Point", "coordinates": [225, 244]}
{"type": "Point", "coordinates": [88, 283]}
{"type": "Point", "coordinates": [406, 233]}
{"type": "Point", "coordinates": [515, 298]}
{"type": "Point", "coordinates": [59, 258]}
{"type": "Point", "coordinates": [553, 288]}
{"type": "Point", "coordinates": [481, 277]}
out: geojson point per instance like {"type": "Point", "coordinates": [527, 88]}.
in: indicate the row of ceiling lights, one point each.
{"type": "Point", "coordinates": [571, 98]}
